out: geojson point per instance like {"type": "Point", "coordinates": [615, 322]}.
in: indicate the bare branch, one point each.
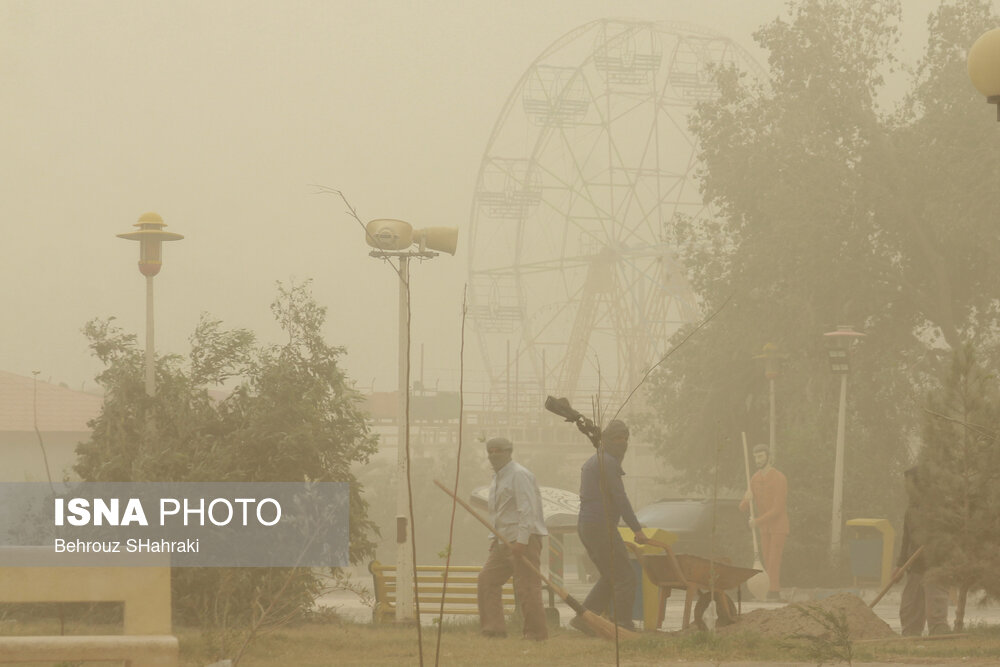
{"type": "Point", "coordinates": [324, 190]}
{"type": "Point", "coordinates": [981, 430]}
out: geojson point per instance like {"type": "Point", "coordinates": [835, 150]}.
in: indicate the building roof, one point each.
{"type": "Point", "coordinates": [59, 409]}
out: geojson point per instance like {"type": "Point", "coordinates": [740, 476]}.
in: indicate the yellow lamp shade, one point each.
{"type": "Point", "coordinates": [984, 63]}
{"type": "Point", "coordinates": [150, 236]}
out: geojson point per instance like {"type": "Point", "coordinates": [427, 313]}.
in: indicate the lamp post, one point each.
{"type": "Point", "coordinates": [150, 236]}
{"type": "Point", "coordinates": [772, 363]}
{"type": "Point", "coordinates": [838, 348]}
{"type": "Point", "coordinates": [984, 66]}
{"type": "Point", "coordinates": [395, 238]}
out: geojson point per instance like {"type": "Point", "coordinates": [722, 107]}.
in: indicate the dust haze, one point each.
{"type": "Point", "coordinates": [221, 118]}
{"type": "Point", "coordinates": [229, 120]}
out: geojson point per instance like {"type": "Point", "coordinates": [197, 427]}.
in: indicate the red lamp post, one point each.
{"type": "Point", "coordinates": [150, 236]}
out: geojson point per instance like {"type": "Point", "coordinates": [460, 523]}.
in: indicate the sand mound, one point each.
{"type": "Point", "coordinates": [794, 619]}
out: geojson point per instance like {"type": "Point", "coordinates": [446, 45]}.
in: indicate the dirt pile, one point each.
{"type": "Point", "coordinates": [803, 619]}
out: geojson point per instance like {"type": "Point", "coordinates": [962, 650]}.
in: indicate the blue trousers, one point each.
{"type": "Point", "coordinates": [617, 582]}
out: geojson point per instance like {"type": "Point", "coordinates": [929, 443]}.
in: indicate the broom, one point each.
{"type": "Point", "coordinates": [601, 626]}
{"type": "Point", "coordinates": [760, 583]}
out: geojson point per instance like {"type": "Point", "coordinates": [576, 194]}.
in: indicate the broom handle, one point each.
{"type": "Point", "coordinates": [896, 577]}
{"type": "Point", "coordinates": [560, 592]}
{"type": "Point", "coordinates": [746, 462]}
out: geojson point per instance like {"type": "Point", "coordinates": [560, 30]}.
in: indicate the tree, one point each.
{"type": "Point", "coordinates": [832, 210]}
{"type": "Point", "coordinates": [292, 415]}
{"type": "Point", "coordinates": [956, 516]}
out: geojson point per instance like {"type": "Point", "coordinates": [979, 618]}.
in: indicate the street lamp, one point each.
{"type": "Point", "coordinates": [838, 348]}
{"type": "Point", "coordinates": [772, 364]}
{"type": "Point", "coordinates": [395, 238]}
{"type": "Point", "coordinates": [984, 66]}
{"type": "Point", "coordinates": [150, 236]}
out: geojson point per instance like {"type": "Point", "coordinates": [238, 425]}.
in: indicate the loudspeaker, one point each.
{"type": "Point", "coordinates": [444, 239]}
{"type": "Point", "coordinates": [388, 234]}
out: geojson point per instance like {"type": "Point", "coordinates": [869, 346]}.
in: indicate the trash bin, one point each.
{"type": "Point", "coordinates": [871, 547]}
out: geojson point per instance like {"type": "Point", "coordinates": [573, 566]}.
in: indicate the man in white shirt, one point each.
{"type": "Point", "coordinates": [516, 513]}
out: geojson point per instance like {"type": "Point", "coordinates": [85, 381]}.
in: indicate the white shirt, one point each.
{"type": "Point", "coordinates": [516, 504]}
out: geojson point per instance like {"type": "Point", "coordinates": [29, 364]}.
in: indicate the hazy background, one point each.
{"type": "Point", "coordinates": [221, 116]}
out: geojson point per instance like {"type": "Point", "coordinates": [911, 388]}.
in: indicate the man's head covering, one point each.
{"type": "Point", "coordinates": [499, 451]}
{"type": "Point", "coordinates": [761, 448]}
{"type": "Point", "coordinates": [615, 428]}
{"type": "Point", "coordinates": [499, 443]}
{"type": "Point", "coordinates": [614, 438]}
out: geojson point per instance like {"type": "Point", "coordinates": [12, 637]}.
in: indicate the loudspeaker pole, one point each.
{"type": "Point", "coordinates": [394, 238]}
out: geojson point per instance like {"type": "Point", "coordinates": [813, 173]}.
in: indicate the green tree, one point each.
{"type": "Point", "coordinates": [959, 480]}
{"type": "Point", "coordinates": [833, 210]}
{"type": "Point", "coordinates": [291, 415]}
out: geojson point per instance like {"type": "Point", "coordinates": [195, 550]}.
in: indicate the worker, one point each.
{"type": "Point", "coordinates": [924, 600]}
{"type": "Point", "coordinates": [603, 502]}
{"type": "Point", "coordinates": [515, 505]}
{"type": "Point", "coordinates": [768, 494]}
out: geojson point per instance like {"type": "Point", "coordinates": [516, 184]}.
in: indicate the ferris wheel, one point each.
{"type": "Point", "coordinates": [573, 280]}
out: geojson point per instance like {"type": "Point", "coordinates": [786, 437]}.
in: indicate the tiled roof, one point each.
{"type": "Point", "coordinates": [59, 408]}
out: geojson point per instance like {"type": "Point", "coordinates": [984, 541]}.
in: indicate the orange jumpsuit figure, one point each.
{"type": "Point", "coordinates": [769, 491]}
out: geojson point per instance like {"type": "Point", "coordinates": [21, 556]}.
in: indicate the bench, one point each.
{"type": "Point", "coordinates": [461, 597]}
{"type": "Point", "coordinates": [144, 592]}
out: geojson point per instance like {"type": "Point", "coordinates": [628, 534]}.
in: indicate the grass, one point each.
{"type": "Point", "coordinates": [981, 646]}
{"type": "Point", "coordinates": [332, 642]}
{"type": "Point", "coordinates": [832, 646]}
{"type": "Point", "coordinates": [316, 645]}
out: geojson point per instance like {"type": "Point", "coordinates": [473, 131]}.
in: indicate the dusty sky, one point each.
{"type": "Point", "coordinates": [220, 116]}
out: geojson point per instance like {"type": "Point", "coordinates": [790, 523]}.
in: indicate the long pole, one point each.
{"type": "Point", "coordinates": [896, 576]}
{"type": "Point", "coordinates": [150, 349]}
{"type": "Point", "coordinates": [602, 626]}
{"type": "Point", "coordinates": [838, 475]}
{"type": "Point", "coordinates": [771, 450]}
{"type": "Point", "coordinates": [404, 556]}
{"type": "Point", "coordinates": [507, 395]}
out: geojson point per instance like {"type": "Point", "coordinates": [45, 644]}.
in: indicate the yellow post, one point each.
{"type": "Point", "coordinates": [650, 591]}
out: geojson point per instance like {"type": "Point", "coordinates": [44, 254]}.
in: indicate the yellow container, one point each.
{"type": "Point", "coordinates": [871, 544]}
{"type": "Point", "coordinates": [650, 591]}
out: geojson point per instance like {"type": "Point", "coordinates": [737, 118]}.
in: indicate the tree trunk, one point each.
{"type": "Point", "coordinates": [963, 594]}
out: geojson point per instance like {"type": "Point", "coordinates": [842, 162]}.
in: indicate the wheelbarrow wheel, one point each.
{"type": "Point", "coordinates": [725, 609]}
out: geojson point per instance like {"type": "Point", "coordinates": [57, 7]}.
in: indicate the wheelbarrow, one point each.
{"type": "Point", "coordinates": [703, 580]}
